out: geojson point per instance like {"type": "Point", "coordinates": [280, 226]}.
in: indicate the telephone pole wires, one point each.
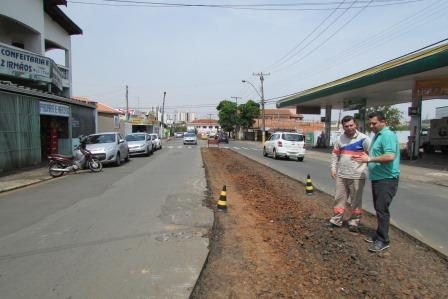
{"type": "Point", "coordinates": [163, 111]}
{"type": "Point", "coordinates": [236, 117]}
{"type": "Point", "coordinates": [263, 129]}
{"type": "Point", "coordinates": [127, 104]}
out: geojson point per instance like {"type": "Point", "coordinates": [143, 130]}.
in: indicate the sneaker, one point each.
{"type": "Point", "coordinates": [369, 239]}
{"type": "Point", "coordinates": [378, 246]}
{"type": "Point", "coordinates": [332, 224]}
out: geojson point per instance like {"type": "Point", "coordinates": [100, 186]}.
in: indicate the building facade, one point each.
{"type": "Point", "coordinates": [37, 115]}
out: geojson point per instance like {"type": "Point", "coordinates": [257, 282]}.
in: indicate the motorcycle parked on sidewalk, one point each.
{"type": "Point", "coordinates": [82, 159]}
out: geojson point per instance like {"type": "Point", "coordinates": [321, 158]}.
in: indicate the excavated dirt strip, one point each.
{"type": "Point", "coordinates": [273, 243]}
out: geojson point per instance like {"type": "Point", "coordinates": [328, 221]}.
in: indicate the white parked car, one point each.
{"type": "Point", "coordinates": [140, 144]}
{"type": "Point", "coordinates": [156, 139]}
{"type": "Point", "coordinates": [108, 147]}
{"type": "Point", "coordinates": [285, 144]}
{"type": "Point", "coordinates": [190, 138]}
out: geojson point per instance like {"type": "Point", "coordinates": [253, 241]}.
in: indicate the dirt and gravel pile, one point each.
{"type": "Point", "coordinates": [273, 242]}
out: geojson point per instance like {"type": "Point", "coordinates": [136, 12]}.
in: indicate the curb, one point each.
{"type": "Point", "coordinates": [22, 185]}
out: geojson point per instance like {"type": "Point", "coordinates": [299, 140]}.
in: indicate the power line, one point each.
{"type": "Point", "coordinates": [254, 7]}
{"type": "Point", "coordinates": [303, 40]}
{"type": "Point", "coordinates": [327, 39]}
{"type": "Point", "coordinates": [422, 15]}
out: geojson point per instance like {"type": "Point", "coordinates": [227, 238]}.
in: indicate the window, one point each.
{"type": "Point", "coordinates": [20, 45]}
{"type": "Point", "coordinates": [293, 137]}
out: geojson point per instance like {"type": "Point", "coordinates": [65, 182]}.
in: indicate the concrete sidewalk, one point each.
{"type": "Point", "coordinates": [22, 178]}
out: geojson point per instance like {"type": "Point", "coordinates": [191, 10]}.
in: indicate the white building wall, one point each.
{"type": "Point", "coordinates": [55, 33]}
{"type": "Point", "coordinates": [31, 14]}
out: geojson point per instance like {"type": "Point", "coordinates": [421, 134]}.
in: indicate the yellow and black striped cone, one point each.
{"type": "Point", "coordinates": [309, 189]}
{"type": "Point", "coordinates": [222, 202]}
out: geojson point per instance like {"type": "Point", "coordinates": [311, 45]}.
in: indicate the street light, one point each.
{"type": "Point", "coordinates": [263, 134]}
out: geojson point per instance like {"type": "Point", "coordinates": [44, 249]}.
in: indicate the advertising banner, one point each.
{"type": "Point", "coordinates": [22, 64]}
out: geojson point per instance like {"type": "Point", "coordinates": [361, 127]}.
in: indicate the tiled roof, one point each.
{"type": "Point", "coordinates": [100, 107]}
{"type": "Point", "coordinates": [284, 124]}
{"type": "Point", "coordinates": [205, 121]}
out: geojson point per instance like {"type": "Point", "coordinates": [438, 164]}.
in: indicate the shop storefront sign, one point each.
{"type": "Point", "coordinates": [47, 108]}
{"type": "Point", "coordinates": [432, 88]}
{"type": "Point", "coordinates": [23, 64]}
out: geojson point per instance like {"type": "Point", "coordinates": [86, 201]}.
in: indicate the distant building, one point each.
{"type": "Point", "coordinates": [205, 126]}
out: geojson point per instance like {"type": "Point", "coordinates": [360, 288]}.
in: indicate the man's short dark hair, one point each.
{"type": "Point", "coordinates": [347, 118]}
{"type": "Point", "coordinates": [378, 114]}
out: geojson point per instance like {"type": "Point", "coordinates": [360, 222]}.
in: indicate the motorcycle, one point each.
{"type": "Point", "coordinates": [82, 159]}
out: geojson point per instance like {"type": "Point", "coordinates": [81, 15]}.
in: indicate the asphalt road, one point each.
{"type": "Point", "coordinates": [420, 209]}
{"type": "Point", "coordinates": [134, 231]}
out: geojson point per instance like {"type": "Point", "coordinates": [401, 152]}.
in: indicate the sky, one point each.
{"type": "Point", "coordinates": [200, 55]}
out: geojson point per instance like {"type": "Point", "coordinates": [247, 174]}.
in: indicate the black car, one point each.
{"type": "Point", "coordinates": [223, 138]}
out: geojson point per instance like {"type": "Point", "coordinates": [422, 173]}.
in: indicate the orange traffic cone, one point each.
{"type": "Point", "coordinates": [309, 189]}
{"type": "Point", "coordinates": [222, 202]}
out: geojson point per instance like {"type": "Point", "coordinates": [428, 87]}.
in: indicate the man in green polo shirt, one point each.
{"type": "Point", "coordinates": [384, 172]}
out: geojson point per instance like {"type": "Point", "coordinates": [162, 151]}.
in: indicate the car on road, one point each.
{"type": "Point", "coordinates": [179, 134]}
{"type": "Point", "coordinates": [156, 140]}
{"type": "Point", "coordinates": [140, 144]}
{"type": "Point", "coordinates": [190, 138]}
{"type": "Point", "coordinates": [222, 137]}
{"type": "Point", "coordinates": [108, 147]}
{"type": "Point", "coordinates": [285, 144]}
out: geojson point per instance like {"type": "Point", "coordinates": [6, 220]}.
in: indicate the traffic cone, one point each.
{"type": "Point", "coordinates": [222, 202]}
{"type": "Point", "coordinates": [309, 189]}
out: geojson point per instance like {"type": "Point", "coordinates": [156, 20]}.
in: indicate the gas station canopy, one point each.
{"type": "Point", "coordinates": [424, 71]}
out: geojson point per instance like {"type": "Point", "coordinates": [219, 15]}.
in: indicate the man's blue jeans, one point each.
{"type": "Point", "coordinates": [383, 191]}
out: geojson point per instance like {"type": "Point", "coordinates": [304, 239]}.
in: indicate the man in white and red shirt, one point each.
{"type": "Point", "coordinates": [350, 175]}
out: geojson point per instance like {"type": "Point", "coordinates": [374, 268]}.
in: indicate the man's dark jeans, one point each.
{"type": "Point", "coordinates": [383, 192]}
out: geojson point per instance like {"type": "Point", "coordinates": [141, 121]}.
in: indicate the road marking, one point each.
{"type": "Point", "coordinates": [180, 146]}
{"type": "Point", "coordinates": [245, 148]}
{"type": "Point", "coordinates": [237, 148]}
{"type": "Point", "coordinates": [170, 146]}
{"type": "Point", "coordinates": [256, 149]}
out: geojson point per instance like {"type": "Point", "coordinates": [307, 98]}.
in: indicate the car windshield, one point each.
{"type": "Point", "coordinates": [135, 137]}
{"type": "Point", "coordinates": [189, 135]}
{"type": "Point", "coordinates": [103, 138]}
{"type": "Point", "coordinates": [292, 137]}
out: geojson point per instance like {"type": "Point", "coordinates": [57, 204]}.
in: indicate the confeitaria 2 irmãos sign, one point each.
{"type": "Point", "coordinates": [23, 64]}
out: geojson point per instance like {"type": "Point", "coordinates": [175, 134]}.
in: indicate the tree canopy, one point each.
{"type": "Point", "coordinates": [393, 116]}
{"type": "Point", "coordinates": [229, 117]}
{"type": "Point", "coordinates": [247, 113]}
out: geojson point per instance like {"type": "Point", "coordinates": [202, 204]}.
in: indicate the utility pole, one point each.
{"type": "Point", "coordinates": [236, 117]}
{"type": "Point", "coordinates": [163, 110]}
{"type": "Point", "coordinates": [127, 104]}
{"type": "Point", "coordinates": [263, 129]}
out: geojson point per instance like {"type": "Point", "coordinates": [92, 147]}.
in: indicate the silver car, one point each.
{"type": "Point", "coordinates": [140, 144]}
{"type": "Point", "coordinates": [108, 147]}
{"type": "Point", "coordinates": [156, 139]}
{"type": "Point", "coordinates": [190, 138]}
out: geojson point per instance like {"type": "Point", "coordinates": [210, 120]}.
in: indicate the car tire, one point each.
{"type": "Point", "coordinates": [118, 159]}
{"type": "Point", "coordinates": [127, 158]}
{"type": "Point", "coordinates": [148, 152]}
{"type": "Point", "coordinates": [265, 154]}
{"type": "Point", "coordinates": [274, 154]}
{"type": "Point", "coordinates": [300, 159]}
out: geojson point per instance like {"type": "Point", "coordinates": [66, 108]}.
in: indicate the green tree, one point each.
{"type": "Point", "coordinates": [393, 116]}
{"type": "Point", "coordinates": [247, 113]}
{"type": "Point", "coordinates": [227, 115]}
